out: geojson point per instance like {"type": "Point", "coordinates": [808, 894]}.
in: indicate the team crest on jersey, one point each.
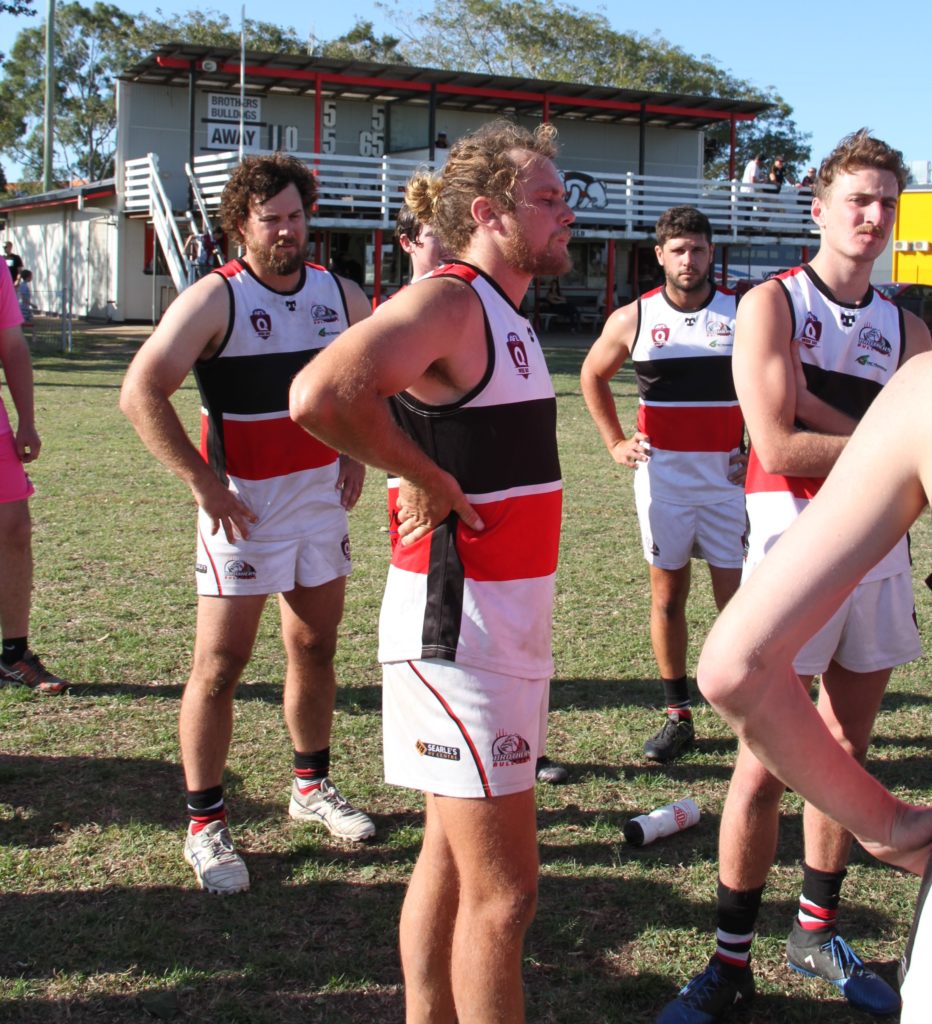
{"type": "Point", "coordinates": [660, 335]}
{"type": "Point", "coordinates": [509, 748]}
{"type": "Point", "coordinates": [321, 314]}
{"type": "Point", "coordinates": [720, 333]}
{"type": "Point", "coordinates": [848, 319]}
{"type": "Point", "coordinates": [811, 333]}
{"type": "Point", "coordinates": [237, 569]}
{"type": "Point", "coordinates": [872, 338]}
{"type": "Point", "coordinates": [261, 323]}
{"type": "Point", "coordinates": [518, 354]}
{"type": "Point", "coordinates": [440, 750]}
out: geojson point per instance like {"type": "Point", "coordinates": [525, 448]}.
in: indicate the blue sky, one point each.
{"type": "Point", "coordinates": [839, 69]}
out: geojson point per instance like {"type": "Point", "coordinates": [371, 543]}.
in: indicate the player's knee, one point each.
{"type": "Point", "coordinates": [216, 673]}
{"type": "Point", "coordinates": [317, 649]}
{"type": "Point", "coordinates": [17, 532]}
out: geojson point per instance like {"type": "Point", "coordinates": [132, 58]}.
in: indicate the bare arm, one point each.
{"type": "Point", "coordinates": [746, 672]}
{"type": "Point", "coordinates": [17, 370]}
{"type": "Point", "coordinates": [192, 327]}
{"type": "Point", "coordinates": [766, 383]}
{"type": "Point", "coordinates": [429, 340]}
{"type": "Point", "coordinates": [605, 359]}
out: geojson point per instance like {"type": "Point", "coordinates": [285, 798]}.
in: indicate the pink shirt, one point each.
{"type": "Point", "coordinates": [10, 316]}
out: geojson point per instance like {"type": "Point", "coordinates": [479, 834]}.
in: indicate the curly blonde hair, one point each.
{"type": "Point", "coordinates": [479, 164]}
{"type": "Point", "coordinates": [856, 151]}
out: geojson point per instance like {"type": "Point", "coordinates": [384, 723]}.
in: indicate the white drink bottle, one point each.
{"type": "Point", "coordinates": [645, 828]}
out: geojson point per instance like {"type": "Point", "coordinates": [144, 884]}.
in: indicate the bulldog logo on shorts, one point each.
{"type": "Point", "coordinates": [237, 569]}
{"type": "Point", "coordinates": [345, 546]}
{"type": "Point", "coordinates": [509, 748]}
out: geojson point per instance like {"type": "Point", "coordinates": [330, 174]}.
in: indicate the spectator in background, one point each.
{"type": "Point", "coordinates": [808, 179]}
{"type": "Point", "coordinates": [19, 666]}
{"type": "Point", "coordinates": [441, 141]}
{"type": "Point", "coordinates": [12, 260]}
{"type": "Point", "coordinates": [752, 173]}
{"type": "Point", "coordinates": [556, 303]}
{"type": "Point", "coordinates": [777, 175]}
{"type": "Point", "coordinates": [24, 296]}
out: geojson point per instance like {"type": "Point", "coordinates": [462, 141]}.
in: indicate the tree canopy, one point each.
{"type": "Point", "coordinates": [558, 41]}
{"type": "Point", "coordinates": [525, 38]}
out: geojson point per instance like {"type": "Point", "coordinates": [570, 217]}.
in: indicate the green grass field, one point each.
{"type": "Point", "coordinates": [101, 915]}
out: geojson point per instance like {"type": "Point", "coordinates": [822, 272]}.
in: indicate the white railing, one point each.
{"type": "Point", "coordinates": [370, 190]}
{"type": "Point", "coordinates": [144, 192]}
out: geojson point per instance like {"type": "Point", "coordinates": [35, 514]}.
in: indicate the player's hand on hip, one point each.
{"type": "Point", "coordinates": [421, 510]}
{"type": "Point", "coordinates": [632, 450]}
{"type": "Point", "coordinates": [226, 511]}
{"type": "Point", "coordinates": [350, 480]}
{"type": "Point", "coordinates": [738, 468]}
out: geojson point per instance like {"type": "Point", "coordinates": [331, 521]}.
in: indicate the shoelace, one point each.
{"type": "Point", "coordinates": [843, 956]}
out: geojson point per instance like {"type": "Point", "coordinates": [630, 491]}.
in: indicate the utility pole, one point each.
{"type": "Point", "coordinates": [49, 137]}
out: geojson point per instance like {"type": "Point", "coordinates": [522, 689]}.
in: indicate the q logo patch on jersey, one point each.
{"type": "Point", "coordinates": [261, 323]}
{"type": "Point", "coordinates": [518, 354]}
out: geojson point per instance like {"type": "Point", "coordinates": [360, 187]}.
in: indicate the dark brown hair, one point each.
{"type": "Point", "coordinates": [258, 179]}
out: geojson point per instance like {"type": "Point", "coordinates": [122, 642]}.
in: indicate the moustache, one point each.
{"type": "Point", "coordinates": [869, 229]}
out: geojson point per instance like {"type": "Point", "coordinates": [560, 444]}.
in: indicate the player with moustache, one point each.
{"type": "Point", "coordinates": [447, 389]}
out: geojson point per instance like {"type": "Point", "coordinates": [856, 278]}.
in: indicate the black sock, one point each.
{"type": "Point", "coordinates": [676, 694]}
{"type": "Point", "coordinates": [14, 648]}
{"type": "Point", "coordinates": [736, 914]}
{"type": "Point", "coordinates": [311, 769]}
{"type": "Point", "coordinates": [818, 902]}
{"type": "Point", "coordinates": [205, 806]}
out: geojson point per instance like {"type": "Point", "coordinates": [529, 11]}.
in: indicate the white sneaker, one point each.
{"type": "Point", "coordinates": [327, 804]}
{"type": "Point", "coordinates": [219, 868]}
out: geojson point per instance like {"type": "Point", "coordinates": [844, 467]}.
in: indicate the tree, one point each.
{"type": "Point", "coordinates": [211, 28]}
{"type": "Point", "coordinates": [90, 47]}
{"type": "Point", "coordinates": [361, 43]}
{"type": "Point", "coordinates": [529, 38]}
{"type": "Point", "coordinates": [17, 7]}
{"type": "Point", "coordinates": [93, 45]}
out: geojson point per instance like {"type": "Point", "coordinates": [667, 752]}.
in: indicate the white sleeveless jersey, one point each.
{"type": "Point", "coordinates": [848, 352]}
{"type": "Point", "coordinates": [687, 402]}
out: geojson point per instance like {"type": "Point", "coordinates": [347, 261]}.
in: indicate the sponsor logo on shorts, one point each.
{"type": "Point", "coordinates": [345, 546]}
{"type": "Point", "coordinates": [660, 335]}
{"type": "Point", "coordinates": [200, 567]}
{"type": "Point", "coordinates": [237, 569]}
{"type": "Point", "coordinates": [518, 354]}
{"type": "Point", "coordinates": [321, 314]}
{"type": "Point", "coordinates": [437, 750]}
{"type": "Point", "coordinates": [261, 323]}
{"type": "Point", "coordinates": [811, 334]}
{"type": "Point", "coordinates": [873, 339]}
{"type": "Point", "coordinates": [509, 748]}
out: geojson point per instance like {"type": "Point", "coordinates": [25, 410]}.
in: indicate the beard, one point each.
{"type": "Point", "coordinates": [698, 283]}
{"type": "Point", "coordinates": [274, 259]}
{"type": "Point", "coordinates": [543, 263]}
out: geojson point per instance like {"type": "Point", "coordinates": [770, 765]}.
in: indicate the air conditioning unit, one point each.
{"type": "Point", "coordinates": [921, 246]}
{"type": "Point", "coordinates": [900, 246]}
